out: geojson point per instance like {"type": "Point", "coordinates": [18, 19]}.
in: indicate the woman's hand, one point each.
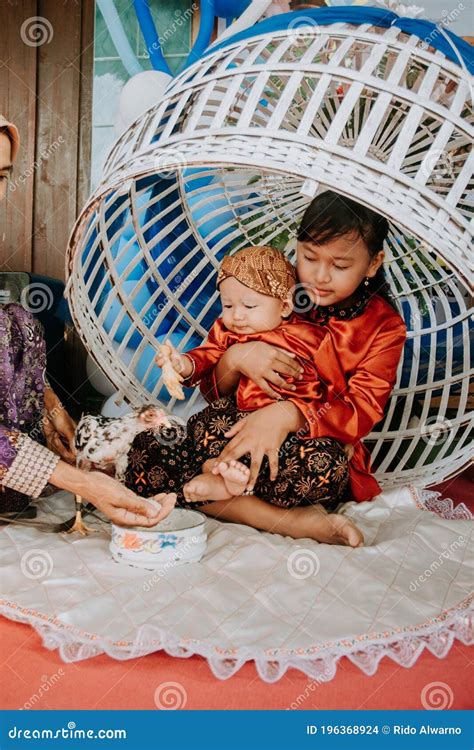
{"type": "Point", "coordinates": [58, 427]}
{"type": "Point", "coordinates": [261, 433]}
{"type": "Point", "coordinates": [125, 508]}
{"type": "Point", "coordinates": [265, 364]}
{"type": "Point", "coordinates": [119, 503]}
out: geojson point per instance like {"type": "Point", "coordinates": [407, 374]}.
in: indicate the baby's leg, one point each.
{"type": "Point", "coordinates": [207, 433]}
{"type": "Point", "coordinates": [226, 480]}
{"type": "Point", "coordinates": [205, 487]}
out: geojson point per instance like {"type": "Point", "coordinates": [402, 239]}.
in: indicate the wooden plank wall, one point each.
{"type": "Point", "coordinates": [18, 103]}
{"type": "Point", "coordinates": [46, 89]}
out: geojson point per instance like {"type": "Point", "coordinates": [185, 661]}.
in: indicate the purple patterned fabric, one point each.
{"type": "Point", "coordinates": [7, 448]}
{"type": "Point", "coordinates": [22, 383]}
{"type": "Point", "coordinates": [22, 367]}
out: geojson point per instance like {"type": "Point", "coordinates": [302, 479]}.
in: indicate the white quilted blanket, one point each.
{"type": "Point", "coordinates": [255, 596]}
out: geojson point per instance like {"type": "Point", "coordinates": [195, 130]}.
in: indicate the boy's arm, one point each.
{"type": "Point", "coordinates": [351, 414]}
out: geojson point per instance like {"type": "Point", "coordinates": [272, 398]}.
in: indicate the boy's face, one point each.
{"type": "Point", "coordinates": [247, 311]}
{"type": "Point", "coordinates": [332, 272]}
{"type": "Point", "coordinates": [5, 163]}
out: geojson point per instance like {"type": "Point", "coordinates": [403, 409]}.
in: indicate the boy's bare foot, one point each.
{"type": "Point", "coordinates": [235, 476]}
{"type": "Point", "coordinates": [331, 528]}
{"type": "Point", "coordinates": [206, 487]}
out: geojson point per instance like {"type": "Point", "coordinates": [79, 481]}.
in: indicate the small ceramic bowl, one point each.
{"type": "Point", "coordinates": [179, 538]}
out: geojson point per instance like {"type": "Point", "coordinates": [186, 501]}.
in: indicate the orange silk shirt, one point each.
{"type": "Point", "coordinates": [356, 362]}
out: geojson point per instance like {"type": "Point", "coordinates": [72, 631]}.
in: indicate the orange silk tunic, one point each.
{"type": "Point", "coordinates": [294, 335]}
{"type": "Point", "coordinates": [356, 363]}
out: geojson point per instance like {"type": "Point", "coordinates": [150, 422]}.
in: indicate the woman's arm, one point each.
{"type": "Point", "coordinates": [118, 503]}
{"type": "Point", "coordinates": [27, 466]}
{"type": "Point", "coordinates": [58, 427]}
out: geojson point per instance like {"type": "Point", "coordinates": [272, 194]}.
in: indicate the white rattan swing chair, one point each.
{"type": "Point", "coordinates": [242, 141]}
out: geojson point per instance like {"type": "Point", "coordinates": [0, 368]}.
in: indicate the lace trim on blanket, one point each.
{"type": "Point", "coordinates": [443, 507]}
{"type": "Point", "coordinates": [403, 650]}
{"type": "Point", "coordinates": [319, 664]}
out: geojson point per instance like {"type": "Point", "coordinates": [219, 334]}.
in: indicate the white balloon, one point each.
{"type": "Point", "coordinates": [97, 379]}
{"type": "Point", "coordinates": [112, 410]}
{"type": "Point", "coordinates": [119, 125]}
{"type": "Point", "coordinates": [140, 93]}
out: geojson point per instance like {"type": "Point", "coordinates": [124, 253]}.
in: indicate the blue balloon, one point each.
{"type": "Point", "coordinates": [206, 27]}
{"type": "Point", "coordinates": [152, 40]}
{"type": "Point", "coordinates": [147, 372]}
{"type": "Point", "coordinates": [230, 8]}
{"type": "Point", "coordinates": [118, 321]}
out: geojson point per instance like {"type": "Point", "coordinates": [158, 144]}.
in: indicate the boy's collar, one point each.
{"type": "Point", "coordinates": [320, 314]}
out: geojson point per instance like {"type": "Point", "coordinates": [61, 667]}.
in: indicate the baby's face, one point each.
{"type": "Point", "coordinates": [247, 311]}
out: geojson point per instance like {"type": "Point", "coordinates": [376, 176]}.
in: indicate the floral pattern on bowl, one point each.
{"type": "Point", "coordinates": [179, 538]}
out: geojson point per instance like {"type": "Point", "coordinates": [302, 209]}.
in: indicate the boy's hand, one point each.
{"type": "Point", "coordinates": [179, 362]}
{"type": "Point", "coordinates": [349, 451]}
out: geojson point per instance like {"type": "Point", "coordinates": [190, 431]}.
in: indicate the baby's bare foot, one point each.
{"type": "Point", "coordinates": [206, 487]}
{"type": "Point", "coordinates": [235, 476]}
{"type": "Point", "coordinates": [331, 528]}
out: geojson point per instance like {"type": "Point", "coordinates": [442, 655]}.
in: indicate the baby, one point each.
{"type": "Point", "coordinates": [256, 286]}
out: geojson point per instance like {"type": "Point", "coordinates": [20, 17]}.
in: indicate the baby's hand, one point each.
{"type": "Point", "coordinates": [179, 362]}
